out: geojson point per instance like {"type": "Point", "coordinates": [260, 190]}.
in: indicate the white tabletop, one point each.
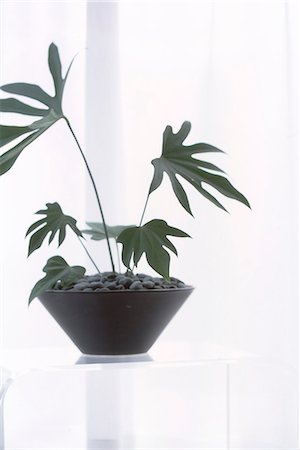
{"type": "Point", "coordinates": [20, 360]}
{"type": "Point", "coordinates": [178, 396]}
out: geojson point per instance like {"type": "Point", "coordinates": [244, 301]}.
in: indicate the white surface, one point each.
{"type": "Point", "coordinates": [23, 360]}
{"type": "Point", "coordinates": [178, 402]}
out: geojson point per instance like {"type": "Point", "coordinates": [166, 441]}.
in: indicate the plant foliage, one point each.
{"type": "Point", "coordinates": [49, 114]}
{"type": "Point", "coordinates": [176, 159]}
{"type": "Point", "coordinates": [55, 221]}
{"type": "Point", "coordinates": [150, 239]}
{"type": "Point", "coordinates": [57, 269]}
{"type": "Point", "coordinates": [97, 232]}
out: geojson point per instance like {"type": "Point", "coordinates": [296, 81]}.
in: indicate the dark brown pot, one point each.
{"type": "Point", "coordinates": [114, 323]}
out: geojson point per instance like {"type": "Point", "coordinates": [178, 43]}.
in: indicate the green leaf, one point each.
{"type": "Point", "coordinates": [176, 160]}
{"type": "Point", "coordinates": [9, 133]}
{"type": "Point", "coordinates": [46, 121]}
{"type": "Point", "coordinates": [69, 68]}
{"type": "Point", "coordinates": [29, 90]}
{"type": "Point", "coordinates": [15, 106]}
{"type": "Point", "coordinates": [55, 221]}
{"type": "Point", "coordinates": [8, 158]}
{"type": "Point", "coordinates": [57, 269]}
{"type": "Point", "coordinates": [150, 239]}
{"type": "Point", "coordinates": [97, 230]}
{"type": "Point", "coordinates": [32, 91]}
{"type": "Point", "coordinates": [55, 66]}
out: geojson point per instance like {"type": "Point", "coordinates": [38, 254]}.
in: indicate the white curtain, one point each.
{"type": "Point", "coordinates": [50, 170]}
{"type": "Point", "coordinates": [229, 68]}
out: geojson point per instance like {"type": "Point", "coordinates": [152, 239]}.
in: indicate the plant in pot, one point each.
{"type": "Point", "coordinates": [109, 312]}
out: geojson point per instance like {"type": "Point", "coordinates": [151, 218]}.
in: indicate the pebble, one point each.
{"type": "Point", "coordinates": [169, 286]}
{"type": "Point", "coordinates": [126, 282]}
{"type": "Point", "coordinates": [136, 285]}
{"type": "Point", "coordinates": [81, 286]}
{"type": "Point", "coordinates": [141, 275]}
{"type": "Point", "coordinates": [148, 278]}
{"type": "Point", "coordinates": [96, 284]}
{"type": "Point", "coordinates": [174, 280]}
{"type": "Point", "coordinates": [93, 278]}
{"type": "Point", "coordinates": [111, 277]}
{"type": "Point", "coordinates": [120, 278]}
{"type": "Point", "coordinates": [112, 281]}
{"type": "Point", "coordinates": [112, 286]}
{"type": "Point", "coordinates": [148, 284]}
{"type": "Point", "coordinates": [120, 287]}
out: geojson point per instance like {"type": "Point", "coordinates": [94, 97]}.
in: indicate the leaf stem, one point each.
{"type": "Point", "coordinates": [96, 192]}
{"type": "Point", "coordinates": [89, 255]}
{"type": "Point", "coordinates": [118, 255]}
{"type": "Point", "coordinates": [146, 203]}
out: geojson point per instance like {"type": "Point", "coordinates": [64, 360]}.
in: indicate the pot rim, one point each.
{"type": "Point", "coordinates": [64, 291]}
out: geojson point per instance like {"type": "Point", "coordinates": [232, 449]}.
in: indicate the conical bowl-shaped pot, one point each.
{"type": "Point", "coordinates": [114, 323]}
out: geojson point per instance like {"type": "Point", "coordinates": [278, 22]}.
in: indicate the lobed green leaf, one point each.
{"type": "Point", "coordinates": [32, 91]}
{"type": "Point", "coordinates": [8, 158]}
{"type": "Point", "coordinates": [13, 105]}
{"type": "Point", "coordinates": [150, 239]}
{"type": "Point", "coordinates": [55, 67]}
{"type": "Point", "coordinates": [29, 90]}
{"type": "Point", "coordinates": [57, 269]}
{"type": "Point", "coordinates": [9, 133]}
{"type": "Point", "coordinates": [177, 160]}
{"type": "Point", "coordinates": [55, 221]}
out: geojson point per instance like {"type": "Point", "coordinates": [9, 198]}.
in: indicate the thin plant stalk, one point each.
{"type": "Point", "coordinates": [142, 217]}
{"type": "Point", "coordinates": [96, 192]}
{"type": "Point", "coordinates": [118, 256]}
{"type": "Point", "coordinates": [89, 255]}
{"type": "Point", "coordinates": [143, 213]}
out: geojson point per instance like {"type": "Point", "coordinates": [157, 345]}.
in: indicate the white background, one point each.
{"type": "Point", "coordinates": [229, 68]}
{"type": "Point", "coordinates": [50, 170]}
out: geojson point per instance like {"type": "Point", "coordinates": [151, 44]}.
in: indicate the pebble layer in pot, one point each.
{"type": "Point", "coordinates": [117, 311]}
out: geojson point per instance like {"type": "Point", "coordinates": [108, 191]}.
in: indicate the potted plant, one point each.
{"type": "Point", "coordinates": [109, 312]}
